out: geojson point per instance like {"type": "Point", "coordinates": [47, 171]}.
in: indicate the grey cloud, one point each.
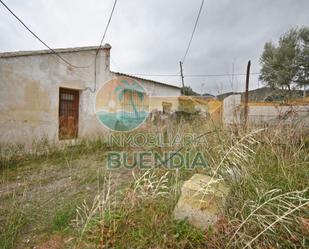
{"type": "Point", "coordinates": [151, 36]}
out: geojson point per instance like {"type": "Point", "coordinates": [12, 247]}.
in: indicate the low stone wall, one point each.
{"type": "Point", "coordinates": [261, 113]}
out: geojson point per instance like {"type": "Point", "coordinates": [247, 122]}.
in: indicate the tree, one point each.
{"type": "Point", "coordinates": [187, 90]}
{"type": "Point", "coordinates": [302, 76]}
{"type": "Point", "coordinates": [286, 64]}
{"type": "Point", "coordinates": [268, 60]}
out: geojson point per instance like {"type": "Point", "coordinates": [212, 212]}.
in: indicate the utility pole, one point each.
{"type": "Point", "coordinates": [182, 78]}
{"type": "Point", "coordinates": [247, 94]}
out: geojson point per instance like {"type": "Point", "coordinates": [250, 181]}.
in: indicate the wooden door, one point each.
{"type": "Point", "coordinates": [68, 113]}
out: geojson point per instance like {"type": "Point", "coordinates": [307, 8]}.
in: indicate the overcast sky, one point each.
{"type": "Point", "coordinates": [151, 36]}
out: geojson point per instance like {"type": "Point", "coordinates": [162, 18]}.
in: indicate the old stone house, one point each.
{"type": "Point", "coordinates": [35, 84]}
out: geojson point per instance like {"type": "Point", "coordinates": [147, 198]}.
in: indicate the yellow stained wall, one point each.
{"type": "Point", "coordinates": [211, 106]}
{"type": "Point", "coordinates": [155, 103]}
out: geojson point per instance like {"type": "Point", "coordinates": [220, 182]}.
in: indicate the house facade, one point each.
{"type": "Point", "coordinates": [40, 94]}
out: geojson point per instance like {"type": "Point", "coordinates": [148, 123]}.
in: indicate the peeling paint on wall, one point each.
{"type": "Point", "coordinates": [29, 92]}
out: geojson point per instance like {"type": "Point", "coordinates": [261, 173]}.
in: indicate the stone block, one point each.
{"type": "Point", "coordinates": [201, 201]}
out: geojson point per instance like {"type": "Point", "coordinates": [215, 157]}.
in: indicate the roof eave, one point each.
{"type": "Point", "coordinates": [48, 51]}
{"type": "Point", "coordinates": [139, 78]}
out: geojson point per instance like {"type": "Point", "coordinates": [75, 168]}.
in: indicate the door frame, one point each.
{"type": "Point", "coordinates": [76, 93]}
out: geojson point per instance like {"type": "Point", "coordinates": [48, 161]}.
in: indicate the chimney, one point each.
{"type": "Point", "coordinates": [107, 49]}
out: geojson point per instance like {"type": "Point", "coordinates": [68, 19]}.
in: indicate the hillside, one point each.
{"type": "Point", "coordinates": [267, 94]}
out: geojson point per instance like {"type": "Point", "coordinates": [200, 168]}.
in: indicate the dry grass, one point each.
{"type": "Point", "coordinates": [267, 206]}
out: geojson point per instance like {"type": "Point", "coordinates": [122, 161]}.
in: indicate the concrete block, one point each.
{"type": "Point", "coordinates": [201, 201]}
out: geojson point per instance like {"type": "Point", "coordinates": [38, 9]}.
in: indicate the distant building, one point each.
{"type": "Point", "coordinates": [38, 91]}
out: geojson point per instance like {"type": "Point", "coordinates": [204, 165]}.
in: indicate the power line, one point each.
{"type": "Point", "coordinates": [191, 75]}
{"type": "Point", "coordinates": [96, 54]}
{"type": "Point", "coordinates": [195, 25]}
{"type": "Point", "coordinates": [39, 39]}
{"type": "Point", "coordinates": [145, 74]}
{"type": "Point", "coordinates": [57, 54]}
{"type": "Point", "coordinates": [108, 23]}
{"type": "Point", "coordinates": [217, 75]}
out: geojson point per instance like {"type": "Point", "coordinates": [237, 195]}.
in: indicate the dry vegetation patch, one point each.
{"type": "Point", "coordinates": [69, 195]}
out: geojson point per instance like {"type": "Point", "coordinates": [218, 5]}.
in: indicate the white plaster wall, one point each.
{"type": "Point", "coordinates": [161, 93]}
{"type": "Point", "coordinates": [159, 90]}
{"type": "Point", "coordinates": [155, 89]}
{"type": "Point", "coordinates": [264, 114]}
{"type": "Point", "coordinates": [276, 114]}
{"type": "Point", "coordinates": [231, 111]}
{"type": "Point", "coordinates": [29, 95]}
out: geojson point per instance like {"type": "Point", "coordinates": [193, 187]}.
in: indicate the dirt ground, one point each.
{"type": "Point", "coordinates": [32, 194]}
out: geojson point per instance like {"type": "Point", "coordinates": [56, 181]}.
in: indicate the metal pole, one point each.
{"type": "Point", "coordinates": [182, 78]}
{"type": "Point", "coordinates": [247, 94]}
